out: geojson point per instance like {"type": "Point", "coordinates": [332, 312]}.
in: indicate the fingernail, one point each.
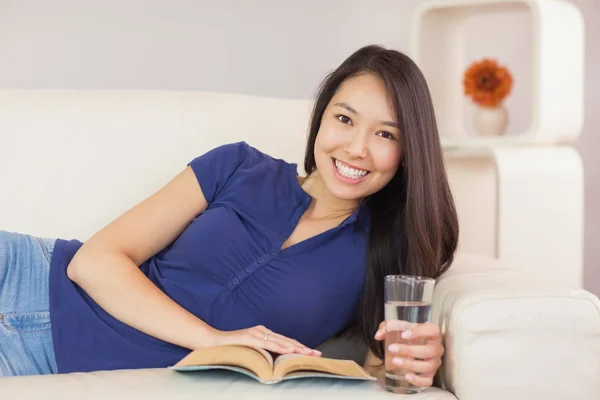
{"type": "Point", "coordinates": [398, 361]}
{"type": "Point", "coordinates": [377, 333]}
{"type": "Point", "coordinates": [409, 377]}
{"type": "Point", "coordinates": [406, 334]}
{"type": "Point", "coordinates": [394, 348]}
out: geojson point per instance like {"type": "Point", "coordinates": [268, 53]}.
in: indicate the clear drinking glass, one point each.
{"type": "Point", "coordinates": [407, 302]}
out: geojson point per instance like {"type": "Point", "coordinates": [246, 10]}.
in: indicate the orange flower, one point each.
{"type": "Point", "coordinates": [487, 83]}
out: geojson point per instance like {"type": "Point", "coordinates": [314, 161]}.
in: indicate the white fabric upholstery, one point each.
{"type": "Point", "coordinates": [71, 161]}
{"type": "Point", "coordinates": [512, 335]}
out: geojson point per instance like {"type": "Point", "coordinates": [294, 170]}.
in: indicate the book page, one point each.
{"type": "Point", "coordinates": [284, 357]}
{"type": "Point", "coordinates": [266, 355]}
{"type": "Point", "coordinates": [291, 362]}
{"type": "Point", "coordinates": [255, 360]}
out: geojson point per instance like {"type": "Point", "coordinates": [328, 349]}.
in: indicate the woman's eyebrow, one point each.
{"type": "Point", "coordinates": [347, 107]}
{"type": "Point", "coordinates": [352, 110]}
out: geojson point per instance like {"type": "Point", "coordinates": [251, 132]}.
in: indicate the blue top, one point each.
{"type": "Point", "coordinates": [226, 268]}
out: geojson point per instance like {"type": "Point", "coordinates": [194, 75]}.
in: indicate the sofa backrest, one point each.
{"type": "Point", "coordinates": [72, 161]}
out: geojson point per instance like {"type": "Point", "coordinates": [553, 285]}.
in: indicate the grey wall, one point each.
{"type": "Point", "coordinates": [267, 47]}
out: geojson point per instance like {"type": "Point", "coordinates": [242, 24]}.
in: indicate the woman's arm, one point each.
{"type": "Point", "coordinates": [106, 266]}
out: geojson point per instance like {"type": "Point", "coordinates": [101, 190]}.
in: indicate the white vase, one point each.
{"type": "Point", "coordinates": [491, 121]}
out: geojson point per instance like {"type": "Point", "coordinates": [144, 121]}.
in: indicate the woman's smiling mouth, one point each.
{"type": "Point", "coordinates": [349, 173]}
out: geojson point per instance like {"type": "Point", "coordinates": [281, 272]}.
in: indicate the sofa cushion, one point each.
{"type": "Point", "coordinates": [163, 384]}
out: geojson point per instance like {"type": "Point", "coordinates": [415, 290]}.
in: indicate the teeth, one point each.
{"type": "Point", "coordinates": [348, 172]}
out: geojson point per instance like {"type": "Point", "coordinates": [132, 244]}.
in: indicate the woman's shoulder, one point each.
{"type": "Point", "coordinates": [232, 158]}
{"type": "Point", "coordinates": [242, 166]}
{"type": "Point", "coordinates": [238, 165]}
{"type": "Point", "coordinates": [258, 156]}
{"type": "Point", "coordinates": [244, 152]}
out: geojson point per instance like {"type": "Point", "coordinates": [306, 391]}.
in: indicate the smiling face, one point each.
{"type": "Point", "coordinates": [358, 146]}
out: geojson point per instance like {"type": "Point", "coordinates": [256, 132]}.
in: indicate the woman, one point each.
{"type": "Point", "coordinates": [238, 249]}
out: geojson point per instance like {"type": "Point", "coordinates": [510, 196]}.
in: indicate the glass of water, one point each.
{"type": "Point", "coordinates": [407, 303]}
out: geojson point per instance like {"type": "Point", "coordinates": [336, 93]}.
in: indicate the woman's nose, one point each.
{"type": "Point", "coordinates": [357, 145]}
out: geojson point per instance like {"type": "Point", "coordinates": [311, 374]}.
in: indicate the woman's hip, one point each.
{"type": "Point", "coordinates": [25, 330]}
{"type": "Point", "coordinates": [24, 272]}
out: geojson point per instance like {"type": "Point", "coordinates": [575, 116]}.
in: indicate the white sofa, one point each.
{"type": "Point", "coordinates": [71, 161]}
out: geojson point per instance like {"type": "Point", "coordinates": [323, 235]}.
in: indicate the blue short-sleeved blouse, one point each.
{"type": "Point", "coordinates": [226, 268]}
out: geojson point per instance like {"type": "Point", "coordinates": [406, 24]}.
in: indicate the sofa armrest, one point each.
{"type": "Point", "coordinates": [510, 334]}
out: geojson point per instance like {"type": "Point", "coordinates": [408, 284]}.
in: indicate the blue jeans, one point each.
{"type": "Point", "coordinates": [25, 337]}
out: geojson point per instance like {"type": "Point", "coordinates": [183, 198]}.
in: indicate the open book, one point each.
{"type": "Point", "coordinates": [260, 365]}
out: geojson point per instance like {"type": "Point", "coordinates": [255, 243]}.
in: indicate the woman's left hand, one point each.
{"type": "Point", "coordinates": [418, 352]}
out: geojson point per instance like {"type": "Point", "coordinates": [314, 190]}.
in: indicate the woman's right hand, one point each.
{"type": "Point", "coordinates": [255, 337]}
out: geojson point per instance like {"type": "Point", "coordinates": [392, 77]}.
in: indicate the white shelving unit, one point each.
{"type": "Point", "coordinates": [522, 194]}
{"type": "Point", "coordinates": [558, 64]}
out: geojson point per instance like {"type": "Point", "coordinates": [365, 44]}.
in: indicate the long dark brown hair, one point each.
{"type": "Point", "coordinates": [414, 226]}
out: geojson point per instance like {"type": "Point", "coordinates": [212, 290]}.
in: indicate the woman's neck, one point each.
{"type": "Point", "coordinates": [324, 205]}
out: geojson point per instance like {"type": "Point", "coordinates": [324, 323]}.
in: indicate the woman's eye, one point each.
{"type": "Point", "coordinates": [344, 119]}
{"type": "Point", "coordinates": [386, 135]}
